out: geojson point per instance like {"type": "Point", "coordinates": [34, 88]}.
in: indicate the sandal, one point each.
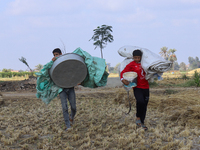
{"type": "Point", "coordinates": [144, 127]}
{"type": "Point", "coordinates": [138, 123]}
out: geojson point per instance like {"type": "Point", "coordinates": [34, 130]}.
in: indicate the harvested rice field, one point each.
{"type": "Point", "coordinates": [173, 121]}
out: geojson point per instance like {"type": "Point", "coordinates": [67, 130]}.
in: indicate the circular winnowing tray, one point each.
{"type": "Point", "coordinates": [130, 75]}
{"type": "Point", "coordinates": [68, 70]}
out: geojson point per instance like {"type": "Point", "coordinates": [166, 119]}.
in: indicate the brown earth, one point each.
{"type": "Point", "coordinates": [173, 119]}
{"type": "Point", "coordinates": [18, 85]}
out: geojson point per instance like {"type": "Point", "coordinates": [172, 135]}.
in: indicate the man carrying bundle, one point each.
{"type": "Point", "coordinates": [141, 91]}
{"type": "Point", "coordinates": [67, 93]}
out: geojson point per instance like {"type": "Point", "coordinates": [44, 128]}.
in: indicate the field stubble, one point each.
{"type": "Point", "coordinates": [101, 123]}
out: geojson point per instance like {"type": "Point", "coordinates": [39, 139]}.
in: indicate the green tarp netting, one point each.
{"type": "Point", "coordinates": [96, 77]}
{"type": "Point", "coordinates": [46, 89]}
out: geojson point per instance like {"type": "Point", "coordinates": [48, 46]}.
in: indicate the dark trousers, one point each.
{"type": "Point", "coordinates": [142, 99]}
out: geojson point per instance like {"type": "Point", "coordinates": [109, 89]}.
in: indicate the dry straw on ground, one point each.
{"type": "Point", "coordinates": [1, 99]}
{"type": "Point", "coordinates": [101, 122]}
{"type": "Point", "coordinates": [193, 71]}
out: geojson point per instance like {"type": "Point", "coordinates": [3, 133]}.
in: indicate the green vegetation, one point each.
{"type": "Point", "coordinates": [168, 54]}
{"type": "Point", "coordinates": [171, 56]}
{"type": "Point", "coordinates": [194, 62]}
{"type": "Point", "coordinates": [101, 36]}
{"type": "Point", "coordinates": [183, 80]}
{"type": "Point", "coordinates": [184, 76]}
{"type": "Point", "coordinates": [189, 83]}
{"type": "Point", "coordinates": [38, 67]}
{"type": "Point", "coordinates": [197, 78]}
{"type": "Point", "coordinates": [14, 74]}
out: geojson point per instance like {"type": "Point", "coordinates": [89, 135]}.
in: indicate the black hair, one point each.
{"type": "Point", "coordinates": [57, 50]}
{"type": "Point", "coordinates": [137, 52]}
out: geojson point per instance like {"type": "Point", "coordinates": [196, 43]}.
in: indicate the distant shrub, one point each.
{"type": "Point", "coordinates": [153, 84]}
{"type": "Point", "coordinates": [184, 76]}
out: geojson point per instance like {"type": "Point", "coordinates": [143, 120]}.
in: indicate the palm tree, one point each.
{"type": "Point", "coordinates": [164, 52]}
{"type": "Point", "coordinates": [172, 56]}
{"type": "Point", "coordinates": [101, 36]}
{"type": "Point", "coordinates": [25, 62]}
{"type": "Point", "coordinates": [172, 50]}
{"type": "Point", "coordinates": [38, 67]}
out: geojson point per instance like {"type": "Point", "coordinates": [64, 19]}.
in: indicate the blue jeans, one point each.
{"type": "Point", "coordinates": [68, 93]}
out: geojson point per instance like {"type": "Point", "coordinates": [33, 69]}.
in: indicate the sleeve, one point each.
{"type": "Point", "coordinates": [128, 68]}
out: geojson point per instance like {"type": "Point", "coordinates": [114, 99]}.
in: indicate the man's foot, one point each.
{"type": "Point", "coordinates": [71, 120]}
{"type": "Point", "coordinates": [68, 128]}
{"type": "Point", "coordinates": [144, 127]}
{"type": "Point", "coordinates": [138, 123]}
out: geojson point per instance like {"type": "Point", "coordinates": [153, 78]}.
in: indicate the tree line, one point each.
{"type": "Point", "coordinates": [171, 56]}
{"type": "Point", "coordinates": [102, 35]}
{"type": "Point", "coordinates": [10, 74]}
{"type": "Point", "coordinates": [7, 73]}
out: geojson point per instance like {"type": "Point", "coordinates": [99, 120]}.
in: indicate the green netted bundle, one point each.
{"type": "Point", "coordinates": [96, 77]}
{"type": "Point", "coordinates": [46, 88]}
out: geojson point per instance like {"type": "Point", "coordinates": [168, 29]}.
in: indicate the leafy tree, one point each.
{"type": "Point", "coordinates": [22, 59]}
{"type": "Point", "coordinates": [116, 68]}
{"type": "Point", "coordinates": [191, 60]}
{"type": "Point", "coordinates": [6, 70]}
{"type": "Point", "coordinates": [169, 55]}
{"type": "Point", "coordinates": [176, 66]}
{"type": "Point", "coordinates": [164, 52]}
{"type": "Point", "coordinates": [172, 51]}
{"type": "Point", "coordinates": [194, 62]}
{"type": "Point", "coordinates": [38, 67]}
{"type": "Point", "coordinates": [101, 36]}
{"type": "Point", "coordinates": [182, 66]}
{"type": "Point", "coordinates": [111, 69]}
{"type": "Point", "coordinates": [197, 61]}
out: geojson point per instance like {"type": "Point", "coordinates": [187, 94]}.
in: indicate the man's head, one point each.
{"type": "Point", "coordinates": [57, 52]}
{"type": "Point", "coordinates": [137, 55]}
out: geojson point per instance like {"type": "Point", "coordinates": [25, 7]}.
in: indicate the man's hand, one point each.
{"type": "Point", "coordinates": [124, 81]}
{"type": "Point", "coordinates": [54, 58]}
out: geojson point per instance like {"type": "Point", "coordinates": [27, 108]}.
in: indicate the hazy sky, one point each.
{"type": "Point", "coordinates": [33, 28]}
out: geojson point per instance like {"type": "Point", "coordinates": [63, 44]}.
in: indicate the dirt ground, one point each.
{"type": "Point", "coordinates": [173, 119]}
